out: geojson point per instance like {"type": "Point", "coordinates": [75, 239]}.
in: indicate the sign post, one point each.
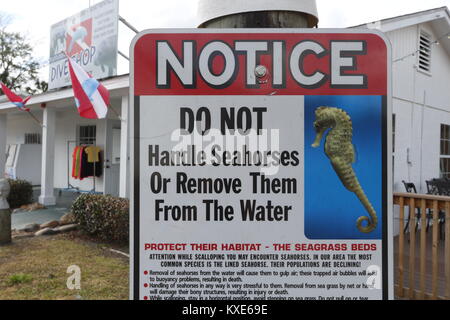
{"type": "Point", "coordinates": [261, 165]}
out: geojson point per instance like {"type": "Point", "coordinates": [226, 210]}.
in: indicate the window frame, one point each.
{"type": "Point", "coordinates": [32, 138]}
{"type": "Point", "coordinates": [425, 34]}
{"type": "Point", "coordinates": [445, 139]}
{"type": "Point", "coordinates": [87, 138]}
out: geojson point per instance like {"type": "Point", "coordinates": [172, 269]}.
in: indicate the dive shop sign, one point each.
{"type": "Point", "coordinates": [261, 165]}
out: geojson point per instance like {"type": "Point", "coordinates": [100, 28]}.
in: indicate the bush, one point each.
{"type": "Point", "coordinates": [105, 217]}
{"type": "Point", "coordinates": [21, 193]}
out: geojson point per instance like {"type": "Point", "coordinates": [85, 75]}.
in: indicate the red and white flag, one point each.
{"type": "Point", "coordinates": [18, 101]}
{"type": "Point", "coordinates": [91, 97]}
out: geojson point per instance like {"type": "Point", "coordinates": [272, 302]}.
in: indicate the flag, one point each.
{"type": "Point", "coordinates": [19, 102]}
{"type": "Point", "coordinates": [91, 97]}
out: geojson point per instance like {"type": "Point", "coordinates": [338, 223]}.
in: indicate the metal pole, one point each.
{"type": "Point", "coordinates": [262, 19]}
{"type": "Point", "coordinates": [125, 22]}
{"type": "Point", "coordinates": [123, 55]}
{"type": "Point", "coordinates": [35, 119]}
{"type": "Point", "coordinates": [95, 164]}
{"type": "Point", "coordinates": [5, 213]}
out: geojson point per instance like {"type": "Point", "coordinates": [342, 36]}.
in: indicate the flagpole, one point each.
{"type": "Point", "coordinates": [115, 112]}
{"type": "Point", "coordinates": [35, 119]}
{"type": "Point", "coordinates": [18, 101]}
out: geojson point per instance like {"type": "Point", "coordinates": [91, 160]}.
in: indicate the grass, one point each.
{"type": "Point", "coordinates": [36, 269]}
{"type": "Point", "coordinates": [20, 278]}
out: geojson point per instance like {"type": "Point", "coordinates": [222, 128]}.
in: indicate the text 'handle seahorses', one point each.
{"type": "Point", "coordinates": [339, 149]}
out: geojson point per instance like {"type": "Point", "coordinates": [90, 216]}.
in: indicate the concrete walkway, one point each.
{"type": "Point", "coordinates": [64, 201]}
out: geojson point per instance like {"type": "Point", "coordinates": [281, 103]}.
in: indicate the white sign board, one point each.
{"type": "Point", "coordinates": [90, 37]}
{"type": "Point", "coordinates": [261, 165]}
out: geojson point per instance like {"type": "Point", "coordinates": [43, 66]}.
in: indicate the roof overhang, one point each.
{"type": "Point", "coordinates": [438, 18]}
{"type": "Point", "coordinates": [117, 87]}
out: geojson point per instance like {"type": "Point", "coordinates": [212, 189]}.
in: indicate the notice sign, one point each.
{"type": "Point", "coordinates": [261, 165]}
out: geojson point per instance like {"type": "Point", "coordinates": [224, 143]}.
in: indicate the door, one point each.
{"type": "Point", "coordinates": [112, 158]}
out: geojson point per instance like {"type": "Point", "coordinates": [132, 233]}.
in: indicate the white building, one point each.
{"type": "Point", "coordinates": [62, 130]}
{"type": "Point", "coordinates": [421, 95]}
{"type": "Point", "coordinates": [421, 106]}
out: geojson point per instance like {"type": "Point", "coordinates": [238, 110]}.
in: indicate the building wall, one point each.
{"type": "Point", "coordinates": [28, 164]}
{"type": "Point", "coordinates": [18, 125]}
{"type": "Point", "coordinates": [404, 42]}
{"type": "Point", "coordinates": [421, 103]}
{"type": "Point", "coordinates": [67, 121]}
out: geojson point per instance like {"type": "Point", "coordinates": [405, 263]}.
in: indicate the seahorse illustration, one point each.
{"type": "Point", "coordinates": [339, 149]}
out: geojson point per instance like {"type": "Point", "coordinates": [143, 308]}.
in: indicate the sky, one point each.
{"type": "Point", "coordinates": [34, 18]}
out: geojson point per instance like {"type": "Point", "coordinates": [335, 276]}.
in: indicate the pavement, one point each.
{"type": "Point", "coordinates": [64, 201]}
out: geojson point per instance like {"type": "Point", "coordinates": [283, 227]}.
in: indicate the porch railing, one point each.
{"type": "Point", "coordinates": [422, 282]}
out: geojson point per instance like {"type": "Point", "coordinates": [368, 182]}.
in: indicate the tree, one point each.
{"type": "Point", "coordinates": [19, 70]}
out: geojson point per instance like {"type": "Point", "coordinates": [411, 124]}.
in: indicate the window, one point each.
{"type": "Point", "coordinates": [445, 151]}
{"type": "Point", "coordinates": [87, 135]}
{"type": "Point", "coordinates": [424, 52]}
{"type": "Point", "coordinates": [33, 138]}
{"type": "Point", "coordinates": [393, 146]}
{"type": "Point", "coordinates": [393, 134]}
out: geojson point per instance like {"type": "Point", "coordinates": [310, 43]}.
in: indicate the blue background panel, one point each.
{"type": "Point", "coordinates": [331, 211]}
